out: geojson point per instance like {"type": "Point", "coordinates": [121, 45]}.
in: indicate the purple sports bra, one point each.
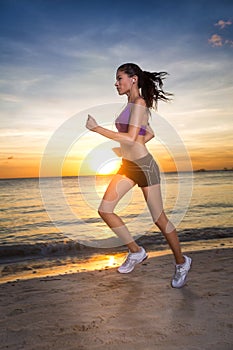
{"type": "Point", "coordinates": [122, 122]}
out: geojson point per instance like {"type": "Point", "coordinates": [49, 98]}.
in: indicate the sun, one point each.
{"type": "Point", "coordinates": [103, 161]}
{"type": "Point", "coordinates": [109, 167]}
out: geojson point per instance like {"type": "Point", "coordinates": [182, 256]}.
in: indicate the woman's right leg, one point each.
{"type": "Point", "coordinates": [117, 188]}
{"type": "Point", "coordinates": [154, 201]}
{"type": "Point", "coordinates": [183, 263]}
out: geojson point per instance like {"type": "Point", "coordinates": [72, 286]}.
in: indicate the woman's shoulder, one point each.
{"type": "Point", "coordinates": [140, 101]}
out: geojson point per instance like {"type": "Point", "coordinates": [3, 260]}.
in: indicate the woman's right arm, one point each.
{"type": "Point", "coordinates": [149, 133]}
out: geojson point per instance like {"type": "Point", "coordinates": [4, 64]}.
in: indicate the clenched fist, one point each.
{"type": "Point", "coordinates": [91, 123]}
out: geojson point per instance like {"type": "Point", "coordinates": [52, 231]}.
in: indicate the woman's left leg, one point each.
{"type": "Point", "coordinates": [116, 189]}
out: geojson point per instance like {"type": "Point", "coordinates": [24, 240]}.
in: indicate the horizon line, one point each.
{"type": "Point", "coordinates": [101, 175]}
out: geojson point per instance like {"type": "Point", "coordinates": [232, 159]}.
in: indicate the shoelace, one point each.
{"type": "Point", "coordinates": [127, 259]}
{"type": "Point", "coordinates": [179, 270]}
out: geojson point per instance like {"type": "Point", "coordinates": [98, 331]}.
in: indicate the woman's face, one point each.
{"type": "Point", "coordinates": [123, 83]}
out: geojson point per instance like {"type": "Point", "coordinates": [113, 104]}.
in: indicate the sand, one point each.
{"type": "Point", "coordinates": [103, 309]}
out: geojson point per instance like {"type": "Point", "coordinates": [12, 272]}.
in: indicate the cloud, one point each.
{"type": "Point", "coordinates": [222, 24]}
{"type": "Point", "coordinates": [229, 42]}
{"type": "Point", "coordinates": [216, 40]}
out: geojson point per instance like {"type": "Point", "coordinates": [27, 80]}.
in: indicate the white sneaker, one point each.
{"type": "Point", "coordinates": [179, 278]}
{"type": "Point", "coordinates": [131, 260]}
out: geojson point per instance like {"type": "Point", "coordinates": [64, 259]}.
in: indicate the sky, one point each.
{"type": "Point", "coordinates": [58, 58]}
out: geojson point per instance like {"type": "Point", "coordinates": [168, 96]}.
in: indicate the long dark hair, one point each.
{"type": "Point", "coordinates": [151, 84]}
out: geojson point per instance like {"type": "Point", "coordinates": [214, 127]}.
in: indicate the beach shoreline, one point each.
{"type": "Point", "coordinates": [95, 260]}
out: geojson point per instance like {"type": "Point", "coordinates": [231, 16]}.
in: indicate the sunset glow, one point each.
{"type": "Point", "coordinates": [55, 68]}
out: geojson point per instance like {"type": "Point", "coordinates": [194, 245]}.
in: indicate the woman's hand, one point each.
{"type": "Point", "coordinates": [91, 123]}
{"type": "Point", "coordinates": [117, 151]}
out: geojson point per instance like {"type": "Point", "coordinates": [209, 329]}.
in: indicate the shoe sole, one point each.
{"type": "Point", "coordinates": [185, 277]}
{"type": "Point", "coordinates": [135, 265]}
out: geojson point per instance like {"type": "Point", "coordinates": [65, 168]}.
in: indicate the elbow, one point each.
{"type": "Point", "coordinates": [149, 137]}
{"type": "Point", "coordinates": [149, 133]}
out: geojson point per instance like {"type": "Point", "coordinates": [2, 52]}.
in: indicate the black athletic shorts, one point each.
{"type": "Point", "coordinates": [143, 171]}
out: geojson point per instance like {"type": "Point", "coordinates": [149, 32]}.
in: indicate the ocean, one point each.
{"type": "Point", "coordinates": [57, 217]}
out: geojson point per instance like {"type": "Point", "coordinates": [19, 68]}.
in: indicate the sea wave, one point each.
{"type": "Point", "coordinates": [10, 253]}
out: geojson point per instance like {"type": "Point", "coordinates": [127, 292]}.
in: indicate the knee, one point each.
{"type": "Point", "coordinates": [103, 213]}
{"type": "Point", "coordinates": [160, 220]}
{"type": "Point", "coordinates": [165, 225]}
{"type": "Point", "coordinates": [159, 223]}
{"type": "Point", "coordinates": [106, 209]}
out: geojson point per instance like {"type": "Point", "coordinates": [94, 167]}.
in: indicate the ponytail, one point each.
{"type": "Point", "coordinates": [151, 84]}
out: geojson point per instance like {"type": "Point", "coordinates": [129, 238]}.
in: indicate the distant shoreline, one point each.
{"type": "Point", "coordinates": [202, 170]}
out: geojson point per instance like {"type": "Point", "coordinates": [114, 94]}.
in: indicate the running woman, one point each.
{"type": "Point", "coordinates": [143, 90]}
